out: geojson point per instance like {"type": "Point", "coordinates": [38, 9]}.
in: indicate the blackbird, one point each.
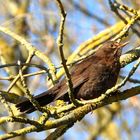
{"type": "Point", "coordinates": [90, 78]}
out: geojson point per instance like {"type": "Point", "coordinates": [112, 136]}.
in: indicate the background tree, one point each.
{"type": "Point", "coordinates": [38, 22]}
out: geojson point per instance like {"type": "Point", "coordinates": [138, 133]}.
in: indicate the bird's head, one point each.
{"type": "Point", "coordinates": [112, 48]}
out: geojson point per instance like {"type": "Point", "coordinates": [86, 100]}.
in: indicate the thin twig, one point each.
{"type": "Point", "coordinates": [60, 46]}
{"type": "Point", "coordinates": [29, 95]}
{"type": "Point", "coordinates": [17, 77]}
{"type": "Point", "coordinates": [136, 81]}
{"type": "Point", "coordinates": [7, 106]}
{"type": "Point", "coordinates": [126, 28]}
{"type": "Point", "coordinates": [26, 64]}
{"type": "Point", "coordinates": [115, 6]}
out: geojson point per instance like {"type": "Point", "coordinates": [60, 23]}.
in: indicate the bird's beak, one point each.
{"type": "Point", "coordinates": [124, 44]}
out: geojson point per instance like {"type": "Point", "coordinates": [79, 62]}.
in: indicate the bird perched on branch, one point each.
{"type": "Point", "coordinates": [90, 78]}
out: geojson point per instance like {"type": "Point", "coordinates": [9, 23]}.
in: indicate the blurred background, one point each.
{"type": "Point", "coordinates": [38, 22]}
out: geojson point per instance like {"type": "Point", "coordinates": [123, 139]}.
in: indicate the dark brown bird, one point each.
{"type": "Point", "coordinates": [91, 78]}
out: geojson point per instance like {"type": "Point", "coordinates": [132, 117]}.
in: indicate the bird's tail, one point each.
{"type": "Point", "coordinates": [45, 98]}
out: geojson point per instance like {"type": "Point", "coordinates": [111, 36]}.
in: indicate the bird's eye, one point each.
{"type": "Point", "coordinates": [112, 45]}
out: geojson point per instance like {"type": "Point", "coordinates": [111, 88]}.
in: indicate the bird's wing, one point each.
{"type": "Point", "coordinates": [79, 74]}
{"type": "Point", "coordinates": [77, 80]}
